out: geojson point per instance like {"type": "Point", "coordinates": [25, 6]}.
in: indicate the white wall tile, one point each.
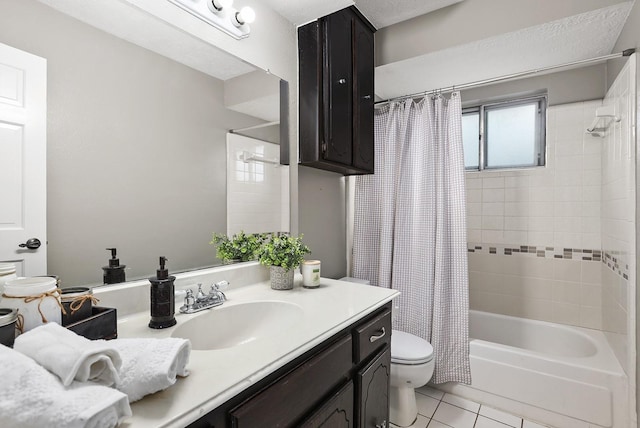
{"type": "Point", "coordinates": [515, 237]}
{"type": "Point", "coordinates": [580, 199]}
{"type": "Point", "coordinates": [516, 209]}
{"type": "Point", "coordinates": [493, 209]}
{"type": "Point", "coordinates": [493, 195]}
{"type": "Point", "coordinates": [493, 183]}
{"type": "Point", "coordinates": [516, 223]}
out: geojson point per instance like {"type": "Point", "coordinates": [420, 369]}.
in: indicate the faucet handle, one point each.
{"type": "Point", "coordinates": [189, 302]}
{"type": "Point", "coordinates": [200, 294]}
{"type": "Point", "coordinates": [216, 292]}
{"type": "Point", "coordinates": [221, 285]}
{"type": "Point", "coordinates": [189, 299]}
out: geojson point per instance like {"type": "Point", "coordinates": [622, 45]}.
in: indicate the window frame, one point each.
{"type": "Point", "coordinates": [540, 130]}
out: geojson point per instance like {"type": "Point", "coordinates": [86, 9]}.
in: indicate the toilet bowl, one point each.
{"type": "Point", "coordinates": [412, 366]}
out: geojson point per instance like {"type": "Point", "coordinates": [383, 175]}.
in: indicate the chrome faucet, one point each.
{"type": "Point", "coordinates": [202, 301]}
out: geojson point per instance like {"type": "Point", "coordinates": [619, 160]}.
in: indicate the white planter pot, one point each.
{"type": "Point", "coordinates": [281, 279]}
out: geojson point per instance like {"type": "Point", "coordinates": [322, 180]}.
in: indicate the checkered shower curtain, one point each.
{"type": "Point", "coordinates": [410, 226]}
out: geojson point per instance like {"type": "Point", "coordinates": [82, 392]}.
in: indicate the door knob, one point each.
{"type": "Point", "coordinates": [31, 244]}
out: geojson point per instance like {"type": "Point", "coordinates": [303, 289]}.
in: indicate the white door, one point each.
{"type": "Point", "coordinates": [23, 160]}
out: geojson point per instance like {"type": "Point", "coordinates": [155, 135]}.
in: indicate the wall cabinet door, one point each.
{"type": "Point", "coordinates": [373, 392]}
{"type": "Point", "coordinates": [363, 137]}
{"type": "Point", "coordinates": [336, 78]}
{"type": "Point", "coordinates": [338, 84]}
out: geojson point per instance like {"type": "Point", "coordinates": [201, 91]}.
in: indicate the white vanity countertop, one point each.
{"type": "Point", "coordinates": [218, 375]}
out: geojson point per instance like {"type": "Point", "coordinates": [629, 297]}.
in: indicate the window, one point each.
{"type": "Point", "coordinates": [507, 134]}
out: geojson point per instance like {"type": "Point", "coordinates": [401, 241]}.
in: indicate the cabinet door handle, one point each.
{"type": "Point", "coordinates": [367, 97]}
{"type": "Point", "coordinates": [342, 81]}
{"type": "Point", "coordinates": [378, 336]}
{"type": "Point", "coordinates": [382, 425]}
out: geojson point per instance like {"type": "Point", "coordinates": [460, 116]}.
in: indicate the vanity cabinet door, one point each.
{"type": "Point", "coordinates": [372, 390]}
{"type": "Point", "coordinates": [297, 393]}
{"type": "Point", "coordinates": [336, 413]}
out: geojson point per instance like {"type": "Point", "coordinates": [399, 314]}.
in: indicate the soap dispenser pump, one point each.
{"type": "Point", "coordinates": [114, 273]}
{"type": "Point", "coordinates": [162, 298]}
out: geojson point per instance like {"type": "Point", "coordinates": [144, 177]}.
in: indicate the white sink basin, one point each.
{"type": "Point", "coordinates": [227, 326]}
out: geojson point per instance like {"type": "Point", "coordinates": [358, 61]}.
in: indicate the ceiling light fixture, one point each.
{"type": "Point", "coordinates": [217, 6]}
{"type": "Point", "coordinates": [244, 17]}
{"type": "Point", "coordinates": [221, 15]}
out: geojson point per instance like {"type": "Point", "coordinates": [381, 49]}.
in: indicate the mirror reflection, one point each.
{"type": "Point", "coordinates": [137, 148]}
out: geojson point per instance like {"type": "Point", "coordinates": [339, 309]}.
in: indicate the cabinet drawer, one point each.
{"type": "Point", "coordinates": [372, 335]}
{"type": "Point", "coordinates": [295, 394]}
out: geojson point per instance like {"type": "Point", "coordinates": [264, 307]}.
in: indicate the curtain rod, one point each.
{"type": "Point", "coordinates": [626, 52]}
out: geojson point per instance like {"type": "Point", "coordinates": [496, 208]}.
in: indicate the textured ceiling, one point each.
{"type": "Point", "coordinates": [383, 13]}
{"type": "Point", "coordinates": [302, 11]}
{"type": "Point", "coordinates": [577, 37]}
{"type": "Point", "coordinates": [380, 12]}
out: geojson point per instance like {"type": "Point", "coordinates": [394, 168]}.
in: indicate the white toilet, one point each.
{"type": "Point", "coordinates": [412, 366]}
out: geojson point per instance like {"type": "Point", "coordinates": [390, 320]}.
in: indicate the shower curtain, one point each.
{"type": "Point", "coordinates": [410, 226]}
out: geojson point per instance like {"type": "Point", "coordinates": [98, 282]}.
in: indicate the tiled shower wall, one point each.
{"type": "Point", "coordinates": [558, 243]}
{"type": "Point", "coordinates": [618, 220]}
{"type": "Point", "coordinates": [257, 192]}
{"type": "Point", "coordinates": [534, 234]}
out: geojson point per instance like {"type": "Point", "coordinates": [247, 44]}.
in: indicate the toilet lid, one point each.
{"type": "Point", "coordinates": [409, 349]}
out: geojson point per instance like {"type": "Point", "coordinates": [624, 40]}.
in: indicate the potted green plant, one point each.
{"type": "Point", "coordinates": [283, 254]}
{"type": "Point", "coordinates": [240, 247]}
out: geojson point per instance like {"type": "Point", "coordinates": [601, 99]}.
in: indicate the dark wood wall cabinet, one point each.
{"type": "Point", "coordinates": [336, 78]}
{"type": "Point", "coordinates": [343, 382]}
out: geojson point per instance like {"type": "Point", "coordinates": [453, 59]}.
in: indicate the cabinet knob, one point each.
{"type": "Point", "coordinates": [367, 97]}
{"type": "Point", "coordinates": [342, 81]}
{"type": "Point", "coordinates": [382, 425]}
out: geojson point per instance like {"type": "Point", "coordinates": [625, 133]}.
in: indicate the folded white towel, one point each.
{"type": "Point", "coordinates": [150, 365]}
{"type": "Point", "coordinates": [31, 396]}
{"type": "Point", "coordinates": [70, 356]}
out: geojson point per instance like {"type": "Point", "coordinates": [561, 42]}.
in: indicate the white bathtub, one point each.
{"type": "Point", "coordinates": [558, 375]}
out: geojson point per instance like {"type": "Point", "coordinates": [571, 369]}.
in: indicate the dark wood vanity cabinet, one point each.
{"type": "Point", "coordinates": [343, 382]}
{"type": "Point", "coordinates": [336, 83]}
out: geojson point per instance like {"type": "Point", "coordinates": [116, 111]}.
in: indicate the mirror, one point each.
{"type": "Point", "coordinates": [136, 147]}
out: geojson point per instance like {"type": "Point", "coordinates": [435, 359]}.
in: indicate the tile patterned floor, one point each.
{"type": "Point", "coordinates": [437, 409]}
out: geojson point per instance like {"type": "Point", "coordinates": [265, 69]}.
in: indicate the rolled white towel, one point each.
{"type": "Point", "coordinates": [150, 365]}
{"type": "Point", "coordinates": [31, 396]}
{"type": "Point", "coordinates": [70, 356]}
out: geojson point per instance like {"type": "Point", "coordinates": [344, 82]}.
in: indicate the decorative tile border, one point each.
{"type": "Point", "coordinates": [546, 252]}
{"type": "Point", "coordinates": [609, 258]}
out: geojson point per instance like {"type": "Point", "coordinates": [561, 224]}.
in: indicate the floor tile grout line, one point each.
{"type": "Point", "coordinates": [476, 420]}
{"type": "Point", "coordinates": [434, 412]}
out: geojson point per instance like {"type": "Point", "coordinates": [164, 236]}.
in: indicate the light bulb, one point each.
{"type": "Point", "coordinates": [245, 16]}
{"type": "Point", "coordinates": [221, 4]}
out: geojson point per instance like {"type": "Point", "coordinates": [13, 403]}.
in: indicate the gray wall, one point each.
{"type": "Point", "coordinates": [323, 218]}
{"type": "Point", "coordinates": [569, 86]}
{"type": "Point", "coordinates": [136, 148]}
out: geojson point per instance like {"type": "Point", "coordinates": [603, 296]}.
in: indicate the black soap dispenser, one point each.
{"type": "Point", "coordinates": [114, 273]}
{"type": "Point", "coordinates": [162, 298]}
